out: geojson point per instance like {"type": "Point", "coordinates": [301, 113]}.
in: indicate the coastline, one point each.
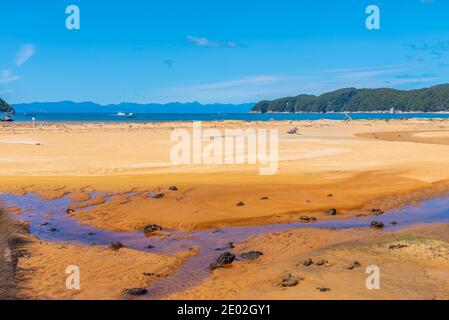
{"type": "Point", "coordinates": [108, 118]}
{"type": "Point", "coordinates": [355, 112]}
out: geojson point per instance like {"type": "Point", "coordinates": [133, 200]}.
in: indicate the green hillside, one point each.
{"type": "Point", "coordinates": [432, 99]}
{"type": "Point", "coordinates": [4, 107]}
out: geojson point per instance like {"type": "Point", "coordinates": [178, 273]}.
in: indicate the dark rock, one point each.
{"type": "Point", "coordinates": [241, 204]}
{"type": "Point", "coordinates": [330, 195]}
{"type": "Point", "coordinates": [308, 262]}
{"type": "Point", "coordinates": [354, 265]}
{"type": "Point", "coordinates": [158, 196]}
{"type": "Point", "coordinates": [324, 289]}
{"type": "Point", "coordinates": [377, 225]}
{"type": "Point", "coordinates": [289, 280]}
{"type": "Point", "coordinates": [397, 246]}
{"type": "Point", "coordinates": [152, 228]}
{"type": "Point", "coordinates": [308, 219]}
{"type": "Point", "coordinates": [377, 211]}
{"type": "Point", "coordinates": [321, 262]}
{"type": "Point", "coordinates": [135, 291]}
{"type": "Point", "coordinates": [252, 255]}
{"type": "Point", "coordinates": [150, 246]}
{"type": "Point", "coordinates": [116, 245]}
{"type": "Point", "coordinates": [91, 234]}
{"type": "Point", "coordinates": [150, 274]}
{"type": "Point", "coordinates": [53, 230]}
{"type": "Point", "coordinates": [68, 211]}
{"type": "Point", "coordinates": [215, 266]}
{"type": "Point", "coordinates": [332, 212]}
{"type": "Point", "coordinates": [264, 198]}
{"type": "Point", "coordinates": [226, 258]}
{"type": "Point", "coordinates": [44, 224]}
{"type": "Point", "coordinates": [173, 188]}
{"type": "Point", "coordinates": [394, 223]}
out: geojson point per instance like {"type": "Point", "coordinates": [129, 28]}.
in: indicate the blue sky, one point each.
{"type": "Point", "coordinates": [229, 51]}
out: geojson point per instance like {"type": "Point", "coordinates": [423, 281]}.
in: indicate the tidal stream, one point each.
{"type": "Point", "coordinates": [49, 221]}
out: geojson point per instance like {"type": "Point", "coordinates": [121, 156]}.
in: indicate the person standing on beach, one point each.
{"type": "Point", "coordinates": [348, 118]}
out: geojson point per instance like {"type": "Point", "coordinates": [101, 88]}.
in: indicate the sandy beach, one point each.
{"type": "Point", "coordinates": [352, 168]}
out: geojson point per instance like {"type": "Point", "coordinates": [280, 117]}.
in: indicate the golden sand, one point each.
{"type": "Point", "coordinates": [104, 273]}
{"type": "Point", "coordinates": [405, 273]}
{"type": "Point", "coordinates": [351, 167]}
{"type": "Point", "coordinates": [359, 164]}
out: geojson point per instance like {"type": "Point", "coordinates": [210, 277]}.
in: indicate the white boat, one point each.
{"type": "Point", "coordinates": [121, 114]}
{"type": "Point", "coordinates": [130, 115]}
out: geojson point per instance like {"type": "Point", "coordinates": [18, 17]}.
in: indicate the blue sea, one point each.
{"type": "Point", "coordinates": [153, 117]}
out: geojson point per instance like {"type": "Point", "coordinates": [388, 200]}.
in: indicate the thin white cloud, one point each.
{"type": "Point", "coordinates": [25, 53]}
{"type": "Point", "coordinates": [247, 81]}
{"type": "Point", "coordinates": [205, 42]}
{"type": "Point", "coordinates": [261, 87]}
{"type": "Point", "coordinates": [201, 41]}
{"type": "Point", "coordinates": [6, 76]}
{"type": "Point", "coordinates": [368, 71]}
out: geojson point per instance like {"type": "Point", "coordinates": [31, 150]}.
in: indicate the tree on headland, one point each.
{"type": "Point", "coordinates": [5, 107]}
{"type": "Point", "coordinates": [434, 99]}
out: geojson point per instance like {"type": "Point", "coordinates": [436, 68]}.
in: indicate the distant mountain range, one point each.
{"type": "Point", "coordinates": [4, 107]}
{"type": "Point", "coordinates": [434, 99]}
{"type": "Point", "coordinates": [90, 107]}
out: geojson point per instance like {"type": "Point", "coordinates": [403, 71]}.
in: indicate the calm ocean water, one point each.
{"type": "Point", "coordinates": [96, 117]}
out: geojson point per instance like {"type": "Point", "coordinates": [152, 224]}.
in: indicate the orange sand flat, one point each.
{"type": "Point", "coordinates": [363, 165]}
{"type": "Point", "coordinates": [429, 137]}
{"type": "Point", "coordinates": [104, 273]}
{"type": "Point", "coordinates": [418, 271]}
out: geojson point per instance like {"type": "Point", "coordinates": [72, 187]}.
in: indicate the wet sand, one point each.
{"type": "Point", "coordinates": [425, 137]}
{"type": "Point", "coordinates": [419, 270]}
{"type": "Point", "coordinates": [327, 157]}
{"type": "Point", "coordinates": [104, 272]}
{"type": "Point", "coordinates": [352, 168]}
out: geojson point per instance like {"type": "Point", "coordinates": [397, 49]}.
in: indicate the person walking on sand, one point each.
{"type": "Point", "coordinates": [348, 118]}
{"type": "Point", "coordinates": [33, 119]}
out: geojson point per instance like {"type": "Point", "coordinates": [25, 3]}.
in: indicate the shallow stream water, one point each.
{"type": "Point", "coordinates": [44, 215]}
